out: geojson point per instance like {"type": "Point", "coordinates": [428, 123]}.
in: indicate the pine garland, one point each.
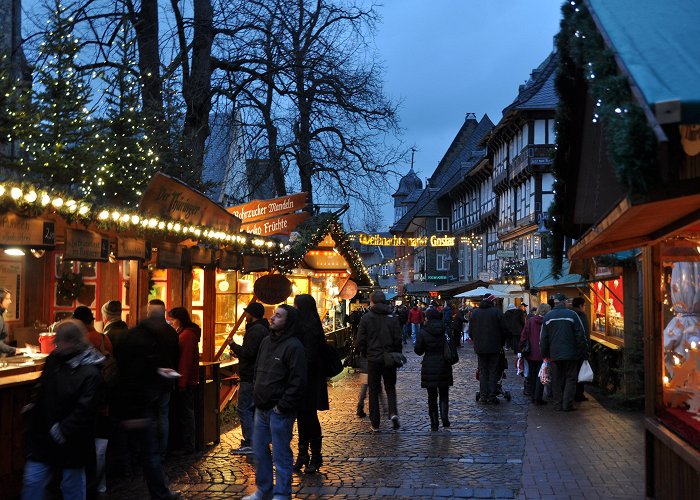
{"type": "Point", "coordinates": [631, 144]}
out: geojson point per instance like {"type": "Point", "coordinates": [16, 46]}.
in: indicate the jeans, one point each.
{"type": "Point", "coordinates": [145, 432]}
{"type": "Point", "coordinates": [415, 327]}
{"type": "Point", "coordinates": [376, 371]}
{"type": "Point", "coordinates": [275, 428]}
{"type": "Point", "coordinates": [246, 411]}
{"type": "Point", "coordinates": [37, 476]}
{"type": "Point", "coordinates": [488, 376]}
{"type": "Point", "coordinates": [406, 331]}
{"type": "Point", "coordinates": [185, 416]}
{"type": "Point", "coordinates": [564, 379]}
{"type": "Point", "coordinates": [163, 420]}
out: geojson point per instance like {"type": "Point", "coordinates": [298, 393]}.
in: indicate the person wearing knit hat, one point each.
{"type": "Point", "coordinates": [113, 326]}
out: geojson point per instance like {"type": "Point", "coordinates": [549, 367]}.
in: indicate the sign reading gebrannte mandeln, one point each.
{"type": "Point", "coordinates": [172, 200]}
{"type": "Point", "coordinates": [284, 224]}
{"type": "Point", "coordinates": [85, 246]}
{"type": "Point", "coordinates": [22, 231]}
{"type": "Point", "coordinates": [265, 209]}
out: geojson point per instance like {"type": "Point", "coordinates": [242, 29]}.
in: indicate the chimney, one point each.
{"type": "Point", "coordinates": [470, 116]}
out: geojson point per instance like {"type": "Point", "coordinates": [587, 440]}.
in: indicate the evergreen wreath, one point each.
{"type": "Point", "coordinates": [70, 285]}
{"type": "Point", "coordinates": [586, 60]}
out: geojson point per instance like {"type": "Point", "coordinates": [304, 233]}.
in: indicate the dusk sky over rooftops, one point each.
{"type": "Point", "coordinates": [446, 58]}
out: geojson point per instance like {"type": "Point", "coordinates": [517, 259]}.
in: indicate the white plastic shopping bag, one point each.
{"type": "Point", "coordinates": [585, 374]}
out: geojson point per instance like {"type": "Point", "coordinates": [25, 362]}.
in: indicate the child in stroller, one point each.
{"type": "Point", "coordinates": [503, 366]}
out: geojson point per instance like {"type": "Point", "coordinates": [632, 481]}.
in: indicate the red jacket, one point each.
{"type": "Point", "coordinates": [415, 315]}
{"type": "Point", "coordinates": [188, 361]}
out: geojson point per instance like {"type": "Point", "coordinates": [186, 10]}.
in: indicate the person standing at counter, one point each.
{"type": "Point", "coordinates": [188, 368]}
{"type": "Point", "coordinates": [5, 301]}
{"type": "Point", "coordinates": [62, 418]}
{"type": "Point", "coordinates": [113, 327]}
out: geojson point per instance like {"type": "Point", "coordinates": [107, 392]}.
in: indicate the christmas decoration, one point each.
{"type": "Point", "coordinates": [69, 285]}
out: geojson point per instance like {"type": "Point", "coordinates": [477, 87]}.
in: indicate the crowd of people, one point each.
{"type": "Point", "coordinates": [103, 394]}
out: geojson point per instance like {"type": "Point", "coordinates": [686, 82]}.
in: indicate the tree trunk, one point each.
{"type": "Point", "coordinates": [197, 92]}
{"type": "Point", "coordinates": [146, 26]}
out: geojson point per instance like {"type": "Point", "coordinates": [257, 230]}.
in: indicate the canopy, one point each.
{"type": "Point", "coordinates": [657, 42]}
{"type": "Point", "coordinates": [480, 292]}
{"type": "Point", "coordinates": [540, 274]}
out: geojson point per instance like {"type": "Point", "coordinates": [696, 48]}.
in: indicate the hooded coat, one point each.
{"type": "Point", "coordinates": [430, 340]}
{"type": "Point", "coordinates": [531, 332]}
{"type": "Point", "coordinates": [62, 422]}
{"type": "Point", "coordinates": [379, 332]}
{"type": "Point", "coordinates": [280, 371]}
{"type": "Point", "coordinates": [255, 332]}
{"type": "Point", "coordinates": [487, 329]}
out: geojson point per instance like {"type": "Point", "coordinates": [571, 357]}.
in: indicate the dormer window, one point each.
{"type": "Point", "coordinates": [442, 224]}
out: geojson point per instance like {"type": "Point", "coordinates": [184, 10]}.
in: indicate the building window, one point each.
{"type": "Point", "coordinates": [441, 263]}
{"type": "Point", "coordinates": [442, 224]}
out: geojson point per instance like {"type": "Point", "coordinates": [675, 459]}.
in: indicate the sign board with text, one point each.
{"type": "Point", "coordinates": [172, 200]}
{"type": "Point", "coordinates": [506, 254]}
{"type": "Point", "coordinates": [401, 241]}
{"type": "Point", "coordinates": [25, 232]}
{"type": "Point", "coordinates": [131, 248]}
{"type": "Point", "coordinates": [284, 224]}
{"type": "Point", "coordinates": [169, 256]}
{"type": "Point", "coordinates": [86, 246]}
{"type": "Point", "coordinates": [257, 210]}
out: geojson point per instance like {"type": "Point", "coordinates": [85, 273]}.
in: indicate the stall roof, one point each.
{"type": "Point", "coordinates": [540, 275]}
{"type": "Point", "coordinates": [460, 286]}
{"type": "Point", "coordinates": [657, 44]}
{"type": "Point", "coordinates": [630, 226]}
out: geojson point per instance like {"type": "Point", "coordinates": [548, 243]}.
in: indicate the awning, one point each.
{"type": "Point", "coordinates": [657, 43]}
{"type": "Point", "coordinates": [420, 287]}
{"type": "Point", "coordinates": [630, 226]}
{"type": "Point", "coordinates": [539, 272]}
{"type": "Point", "coordinates": [459, 286]}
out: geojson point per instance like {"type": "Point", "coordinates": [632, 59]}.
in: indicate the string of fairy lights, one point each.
{"type": "Point", "coordinates": [28, 199]}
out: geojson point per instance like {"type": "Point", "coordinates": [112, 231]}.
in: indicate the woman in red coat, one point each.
{"type": "Point", "coordinates": [531, 333]}
{"type": "Point", "coordinates": [188, 368]}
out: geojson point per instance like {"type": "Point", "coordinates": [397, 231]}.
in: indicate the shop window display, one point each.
{"type": "Point", "coordinates": [608, 308]}
{"type": "Point", "coordinates": [74, 284]}
{"type": "Point", "coordinates": [681, 340]}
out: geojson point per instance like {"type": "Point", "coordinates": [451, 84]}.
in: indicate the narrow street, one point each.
{"type": "Point", "coordinates": [512, 450]}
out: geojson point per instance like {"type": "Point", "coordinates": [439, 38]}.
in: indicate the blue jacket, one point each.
{"type": "Point", "coordinates": [562, 337]}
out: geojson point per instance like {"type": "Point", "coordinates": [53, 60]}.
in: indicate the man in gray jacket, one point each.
{"type": "Point", "coordinates": [562, 340]}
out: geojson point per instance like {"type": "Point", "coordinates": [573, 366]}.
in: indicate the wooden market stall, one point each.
{"type": "Point", "coordinates": [628, 178]}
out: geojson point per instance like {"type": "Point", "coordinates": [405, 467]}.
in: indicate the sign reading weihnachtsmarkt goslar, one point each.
{"type": "Point", "coordinates": [400, 241]}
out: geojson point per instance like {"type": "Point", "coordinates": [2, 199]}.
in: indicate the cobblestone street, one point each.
{"type": "Point", "coordinates": [511, 450]}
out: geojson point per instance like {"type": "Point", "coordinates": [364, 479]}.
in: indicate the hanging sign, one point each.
{"type": "Point", "coordinates": [171, 199]}
{"type": "Point", "coordinates": [264, 209]}
{"type": "Point", "coordinates": [272, 288]}
{"type": "Point", "coordinates": [229, 260]}
{"type": "Point", "coordinates": [690, 138]}
{"type": "Point", "coordinates": [23, 231]}
{"type": "Point", "coordinates": [255, 263]}
{"type": "Point", "coordinates": [278, 225]}
{"type": "Point", "coordinates": [348, 291]}
{"type": "Point", "coordinates": [401, 241]}
{"type": "Point", "coordinates": [169, 256]}
{"type": "Point", "coordinates": [86, 246]}
{"type": "Point", "coordinates": [131, 248]}
{"type": "Point", "coordinates": [200, 256]}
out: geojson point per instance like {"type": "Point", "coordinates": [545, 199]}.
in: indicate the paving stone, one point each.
{"type": "Point", "coordinates": [510, 450]}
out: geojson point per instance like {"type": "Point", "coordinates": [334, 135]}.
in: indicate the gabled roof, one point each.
{"type": "Point", "coordinates": [463, 154]}
{"type": "Point", "coordinates": [657, 45]}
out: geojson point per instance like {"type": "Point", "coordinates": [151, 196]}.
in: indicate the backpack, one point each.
{"type": "Point", "coordinates": [110, 372]}
{"type": "Point", "coordinates": [450, 351]}
{"type": "Point", "coordinates": [331, 364]}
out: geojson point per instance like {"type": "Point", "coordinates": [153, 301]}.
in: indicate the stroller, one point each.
{"type": "Point", "coordinates": [502, 367]}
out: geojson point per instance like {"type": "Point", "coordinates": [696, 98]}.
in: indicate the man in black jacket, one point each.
{"type": "Point", "coordinates": [278, 389]}
{"type": "Point", "coordinates": [62, 419]}
{"type": "Point", "coordinates": [256, 329]}
{"type": "Point", "coordinates": [113, 326]}
{"type": "Point", "coordinates": [379, 333]}
{"type": "Point", "coordinates": [488, 333]}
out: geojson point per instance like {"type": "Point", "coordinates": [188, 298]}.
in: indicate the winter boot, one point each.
{"type": "Point", "coordinates": [316, 458]}
{"type": "Point", "coordinates": [444, 405]}
{"type": "Point", "coordinates": [302, 455]}
{"type": "Point", "coordinates": [433, 420]}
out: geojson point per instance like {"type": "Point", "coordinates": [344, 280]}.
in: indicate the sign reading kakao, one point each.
{"type": "Point", "coordinates": [86, 246]}
{"type": "Point", "coordinates": [169, 256]}
{"type": "Point", "coordinates": [170, 199]}
{"type": "Point", "coordinates": [278, 225]}
{"type": "Point", "coordinates": [131, 248]}
{"type": "Point", "coordinates": [265, 209]}
{"type": "Point", "coordinates": [22, 231]}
